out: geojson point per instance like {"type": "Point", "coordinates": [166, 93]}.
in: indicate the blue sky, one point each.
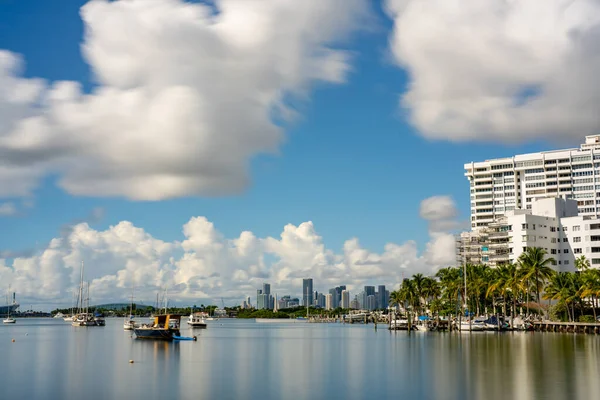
{"type": "Point", "coordinates": [352, 162]}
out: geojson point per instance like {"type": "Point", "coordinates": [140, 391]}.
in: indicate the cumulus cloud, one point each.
{"type": "Point", "coordinates": [438, 208]}
{"type": "Point", "coordinates": [499, 70]}
{"type": "Point", "coordinates": [186, 95]}
{"type": "Point", "coordinates": [441, 214]}
{"type": "Point", "coordinates": [205, 265]}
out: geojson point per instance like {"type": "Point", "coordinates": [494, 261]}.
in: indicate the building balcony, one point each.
{"type": "Point", "coordinates": [499, 245]}
{"type": "Point", "coordinates": [497, 234]}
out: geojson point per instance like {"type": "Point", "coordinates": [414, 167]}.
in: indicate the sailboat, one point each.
{"type": "Point", "coordinates": [83, 316]}
{"type": "Point", "coordinates": [129, 323]}
{"type": "Point", "coordinates": [9, 319]}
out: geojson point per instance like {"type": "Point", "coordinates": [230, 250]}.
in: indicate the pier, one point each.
{"type": "Point", "coordinates": [573, 327]}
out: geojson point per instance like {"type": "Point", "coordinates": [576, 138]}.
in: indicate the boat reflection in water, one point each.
{"type": "Point", "coordinates": [165, 327]}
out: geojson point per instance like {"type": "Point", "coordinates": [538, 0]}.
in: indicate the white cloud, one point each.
{"type": "Point", "coordinates": [206, 266]}
{"type": "Point", "coordinates": [7, 209]}
{"type": "Point", "coordinates": [185, 97]}
{"type": "Point", "coordinates": [438, 208]}
{"type": "Point", "coordinates": [499, 70]}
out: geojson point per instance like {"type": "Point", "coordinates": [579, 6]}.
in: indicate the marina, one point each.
{"type": "Point", "coordinates": [350, 361]}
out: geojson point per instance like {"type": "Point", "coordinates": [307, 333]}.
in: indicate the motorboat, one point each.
{"type": "Point", "coordinates": [399, 324]}
{"type": "Point", "coordinates": [474, 325]}
{"type": "Point", "coordinates": [195, 320]}
{"type": "Point", "coordinates": [129, 324]}
{"type": "Point", "coordinates": [99, 319]}
{"type": "Point", "coordinates": [164, 327]}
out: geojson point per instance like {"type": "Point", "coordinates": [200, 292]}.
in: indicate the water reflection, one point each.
{"type": "Point", "coordinates": [247, 360]}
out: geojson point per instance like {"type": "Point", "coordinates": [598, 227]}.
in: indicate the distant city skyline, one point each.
{"type": "Point", "coordinates": [338, 296]}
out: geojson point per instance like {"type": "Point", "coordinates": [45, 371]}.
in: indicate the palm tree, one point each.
{"type": "Point", "coordinates": [408, 293]}
{"type": "Point", "coordinates": [498, 285]}
{"type": "Point", "coordinates": [451, 282]}
{"type": "Point", "coordinates": [582, 263]}
{"type": "Point", "coordinates": [536, 267]}
{"type": "Point", "coordinates": [561, 288]}
{"type": "Point", "coordinates": [418, 282]}
{"type": "Point", "coordinates": [590, 287]}
{"type": "Point", "coordinates": [431, 290]}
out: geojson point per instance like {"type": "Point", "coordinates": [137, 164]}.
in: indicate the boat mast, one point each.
{"type": "Point", "coordinates": [131, 303]}
{"type": "Point", "coordinates": [166, 300]}
{"type": "Point", "coordinates": [80, 299]}
{"type": "Point", "coordinates": [7, 303]}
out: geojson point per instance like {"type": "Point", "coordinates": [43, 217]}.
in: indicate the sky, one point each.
{"type": "Point", "coordinates": [211, 146]}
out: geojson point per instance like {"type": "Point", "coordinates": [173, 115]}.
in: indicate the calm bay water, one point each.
{"type": "Point", "coordinates": [246, 360]}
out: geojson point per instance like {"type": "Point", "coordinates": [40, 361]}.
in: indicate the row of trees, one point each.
{"type": "Point", "coordinates": [505, 288]}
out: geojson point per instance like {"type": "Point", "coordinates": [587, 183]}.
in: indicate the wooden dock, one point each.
{"type": "Point", "coordinates": [574, 327]}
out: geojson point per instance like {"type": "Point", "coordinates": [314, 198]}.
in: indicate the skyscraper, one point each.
{"type": "Point", "coordinates": [328, 302]}
{"type": "Point", "coordinates": [345, 299]}
{"type": "Point", "coordinates": [514, 183]}
{"type": "Point", "coordinates": [259, 300]}
{"type": "Point", "coordinates": [307, 291]}
{"type": "Point", "coordinates": [266, 288]}
{"type": "Point", "coordinates": [371, 302]}
{"type": "Point", "coordinates": [369, 291]}
{"type": "Point", "coordinates": [382, 300]}
{"type": "Point", "coordinates": [334, 299]}
{"type": "Point", "coordinates": [321, 300]}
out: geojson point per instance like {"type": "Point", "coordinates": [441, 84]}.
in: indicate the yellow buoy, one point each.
{"type": "Point", "coordinates": [130, 361]}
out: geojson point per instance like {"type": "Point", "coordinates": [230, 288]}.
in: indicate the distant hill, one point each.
{"type": "Point", "coordinates": [121, 306]}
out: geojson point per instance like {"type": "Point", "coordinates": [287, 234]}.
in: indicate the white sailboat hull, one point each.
{"type": "Point", "coordinates": [9, 321]}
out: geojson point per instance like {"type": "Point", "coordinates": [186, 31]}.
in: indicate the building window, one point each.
{"type": "Point", "coordinates": [576, 228]}
{"type": "Point", "coordinates": [553, 240]}
{"type": "Point", "coordinates": [577, 251]}
{"type": "Point", "coordinates": [552, 251]}
{"type": "Point", "coordinates": [565, 239]}
{"type": "Point", "coordinates": [595, 261]}
{"type": "Point", "coordinates": [524, 226]}
{"type": "Point", "coordinates": [566, 262]}
{"type": "Point", "coordinates": [564, 228]}
{"type": "Point", "coordinates": [565, 251]}
{"type": "Point", "coordinates": [576, 239]}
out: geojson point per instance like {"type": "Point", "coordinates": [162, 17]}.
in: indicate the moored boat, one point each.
{"type": "Point", "coordinates": [99, 319]}
{"type": "Point", "coordinates": [472, 326]}
{"type": "Point", "coordinates": [196, 320]}
{"type": "Point", "coordinates": [9, 319]}
{"type": "Point", "coordinates": [129, 324]}
{"type": "Point", "coordinates": [165, 327]}
{"type": "Point", "coordinates": [84, 319]}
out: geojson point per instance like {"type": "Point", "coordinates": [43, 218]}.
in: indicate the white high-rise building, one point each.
{"type": "Point", "coordinates": [513, 183]}
{"type": "Point", "coordinates": [345, 299]}
{"type": "Point", "coordinates": [552, 224]}
{"type": "Point", "coordinates": [328, 301]}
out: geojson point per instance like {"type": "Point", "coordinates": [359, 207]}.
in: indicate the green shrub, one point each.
{"type": "Point", "coordinates": [586, 318]}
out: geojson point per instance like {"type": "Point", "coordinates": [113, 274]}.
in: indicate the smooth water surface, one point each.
{"type": "Point", "coordinates": [242, 359]}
